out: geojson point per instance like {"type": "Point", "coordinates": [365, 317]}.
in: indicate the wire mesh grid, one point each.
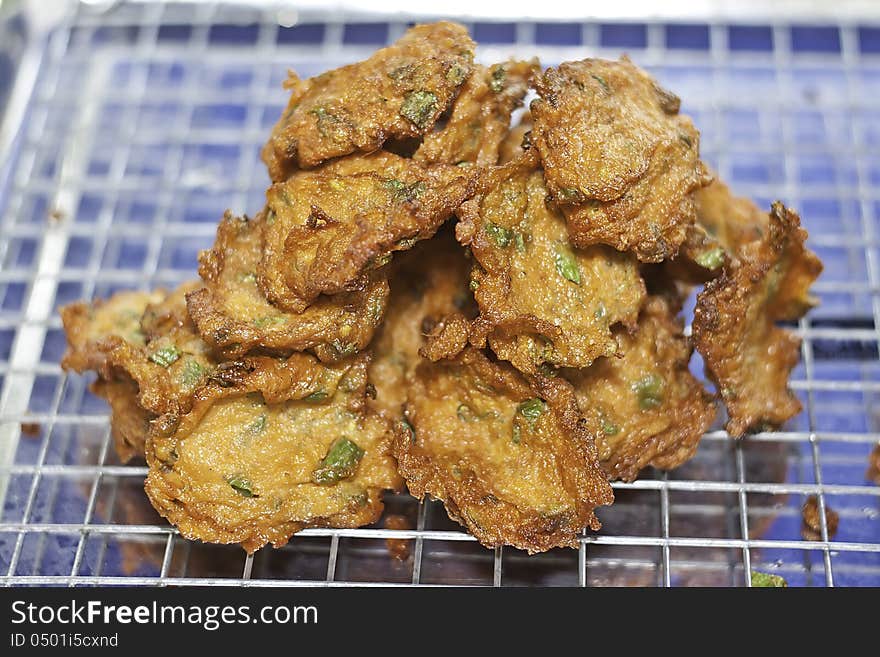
{"type": "Point", "coordinates": [145, 123]}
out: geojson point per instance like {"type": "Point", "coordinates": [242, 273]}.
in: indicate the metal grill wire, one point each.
{"type": "Point", "coordinates": [145, 124]}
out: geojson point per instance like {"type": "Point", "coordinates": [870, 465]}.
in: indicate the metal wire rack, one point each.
{"type": "Point", "coordinates": [139, 126]}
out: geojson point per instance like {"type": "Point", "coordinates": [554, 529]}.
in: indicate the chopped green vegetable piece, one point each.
{"type": "Point", "coordinates": [241, 485]}
{"type": "Point", "coordinates": [569, 194]}
{"type": "Point", "coordinates": [711, 259]}
{"type": "Point", "coordinates": [409, 429]}
{"type": "Point", "coordinates": [262, 322]}
{"type": "Point", "coordinates": [650, 392]}
{"type": "Point", "coordinates": [567, 266]}
{"type": "Point", "coordinates": [325, 120]}
{"type": "Point", "coordinates": [257, 425]}
{"type": "Point", "coordinates": [499, 234]}
{"type": "Point", "coordinates": [601, 81]}
{"type": "Point", "coordinates": [474, 284]}
{"type": "Point", "coordinates": [402, 72]}
{"type": "Point", "coordinates": [192, 373]}
{"type": "Point", "coordinates": [601, 311]}
{"type": "Point", "coordinates": [765, 580]}
{"type": "Point", "coordinates": [419, 107]}
{"type": "Point", "coordinates": [609, 428]}
{"type": "Point", "coordinates": [466, 413]}
{"type": "Point", "coordinates": [531, 409]}
{"type": "Point", "coordinates": [516, 437]}
{"type": "Point", "coordinates": [400, 191]}
{"type": "Point", "coordinates": [520, 241]}
{"type": "Point", "coordinates": [316, 396]}
{"type": "Point", "coordinates": [165, 356]}
{"type": "Point", "coordinates": [340, 463]}
{"type": "Point", "coordinates": [496, 84]}
{"type": "Point", "coordinates": [456, 74]}
{"type": "Point", "coordinates": [249, 277]}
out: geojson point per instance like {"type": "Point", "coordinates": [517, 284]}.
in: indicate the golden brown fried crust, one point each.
{"type": "Point", "coordinates": [517, 141]}
{"type": "Point", "coordinates": [725, 225]}
{"type": "Point", "coordinates": [542, 301]}
{"type": "Point", "coordinates": [327, 228]}
{"type": "Point", "coordinates": [480, 117]}
{"type": "Point", "coordinates": [240, 468]}
{"type": "Point", "coordinates": [233, 316]}
{"type": "Point", "coordinates": [164, 356]}
{"type": "Point", "coordinates": [731, 220]}
{"type": "Point", "coordinates": [527, 478]}
{"type": "Point", "coordinates": [400, 91]}
{"type": "Point", "coordinates": [811, 527]}
{"type": "Point", "coordinates": [129, 423]}
{"type": "Point", "coordinates": [620, 160]}
{"type": "Point", "coordinates": [645, 408]}
{"type": "Point", "coordinates": [747, 356]}
{"type": "Point", "coordinates": [85, 324]}
{"type": "Point", "coordinates": [428, 283]}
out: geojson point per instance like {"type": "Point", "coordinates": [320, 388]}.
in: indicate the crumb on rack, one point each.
{"type": "Point", "coordinates": [30, 429]}
{"type": "Point", "coordinates": [398, 548]}
{"type": "Point", "coordinates": [811, 529]}
{"type": "Point", "coordinates": [873, 473]}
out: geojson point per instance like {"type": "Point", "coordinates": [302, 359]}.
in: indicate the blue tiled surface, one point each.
{"type": "Point", "coordinates": [774, 132]}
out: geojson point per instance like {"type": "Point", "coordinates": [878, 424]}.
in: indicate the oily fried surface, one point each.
{"type": "Point", "coordinates": [398, 92]}
{"type": "Point", "coordinates": [428, 283]}
{"type": "Point", "coordinates": [129, 423]}
{"type": "Point", "coordinates": [163, 355]}
{"type": "Point", "coordinates": [85, 324]}
{"type": "Point", "coordinates": [645, 407]}
{"type": "Point", "coordinates": [747, 356]}
{"type": "Point", "coordinates": [541, 300]}
{"type": "Point", "coordinates": [513, 468]}
{"type": "Point", "coordinates": [733, 221]}
{"type": "Point", "coordinates": [619, 158]}
{"type": "Point", "coordinates": [326, 228]}
{"type": "Point", "coordinates": [517, 140]}
{"type": "Point", "coordinates": [241, 468]}
{"type": "Point", "coordinates": [480, 117]}
{"type": "Point", "coordinates": [234, 317]}
{"type": "Point", "coordinates": [725, 225]}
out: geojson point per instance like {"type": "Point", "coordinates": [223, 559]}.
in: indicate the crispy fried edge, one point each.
{"type": "Point", "coordinates": [232, 338]}
{"type": "Point", "coordinates": [251, 536]}
{"type": "Point", "coordinates": [525, 530]}
{"type": "Point", "coordinates": [719, 326]}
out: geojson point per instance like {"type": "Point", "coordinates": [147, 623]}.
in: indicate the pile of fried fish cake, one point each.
{"type": "Point", "coordinates": [451, 292]}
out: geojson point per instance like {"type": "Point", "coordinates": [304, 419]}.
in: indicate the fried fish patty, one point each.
{"type": "Point", "coordinates": [326, 229]}
{"type": "Point", "coordinates": [541, 300]}
{"type": "Point", "coordinates": [511, 463]}
{"type": "Point", "coordinates": [619, 159]}
{"type": "Point", "coordinates": [428, 284]}
{"type": "Point", "coordinates": [747, 356]}
{"type": "Point", "coordinates": [400, 91]}
{"type": "Point", "coordinates": [254, 468]}
{"type": "Point", "coordinates": [160, 351]}
{"type": "Point", "coordinates": [480, 117]}
{"type": "Point", "coordinates": [645, 407]}
{"type": "Point", "coordinates": [234, 317]}
{"type": "Point", "coordinates": [129, 423]}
